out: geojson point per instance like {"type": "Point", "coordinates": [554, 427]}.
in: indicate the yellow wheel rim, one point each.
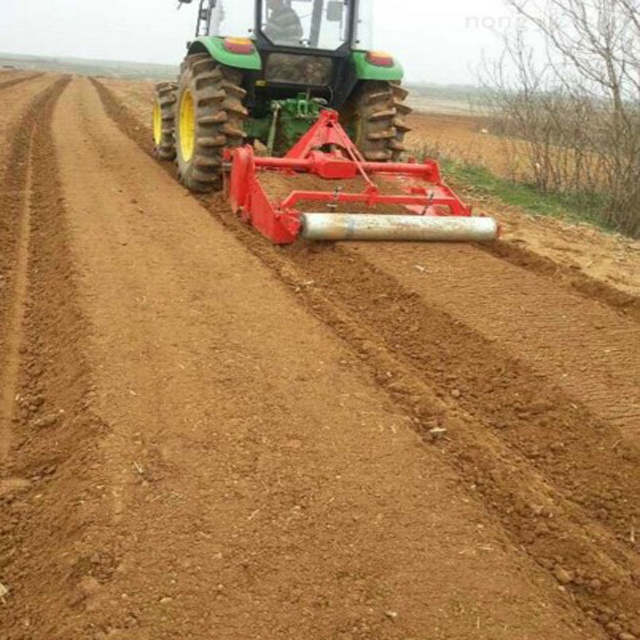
{"type": "Point", "coordinates": [187, 126]}
{"type": "Point", "coordinates": [157, 123]}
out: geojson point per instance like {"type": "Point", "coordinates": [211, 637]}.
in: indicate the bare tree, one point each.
{"type": "Point", "coordinates": [576, 107]}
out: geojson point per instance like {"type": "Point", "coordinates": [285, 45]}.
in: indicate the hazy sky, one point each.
{"type": "Point", "coordinates": [437, 40]}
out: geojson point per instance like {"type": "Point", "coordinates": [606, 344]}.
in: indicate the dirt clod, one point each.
{"type": "Point", "coordinates": [89, 585]}
{"type": "Point", "coordinates": [562, 575]}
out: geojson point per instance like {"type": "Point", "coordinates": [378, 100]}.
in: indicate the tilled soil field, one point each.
{"type": "Point", "coordinates": [203, 436]}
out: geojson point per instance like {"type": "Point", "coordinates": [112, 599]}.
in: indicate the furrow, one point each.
{"type": "Point", "coordinates": [16, 200]}
{"type": "Point", "coordinates": [44, 483]}
{"type": "Point", "coordinates": [7, 84]}
{"type": "Point", "coordinates": [9, 371]}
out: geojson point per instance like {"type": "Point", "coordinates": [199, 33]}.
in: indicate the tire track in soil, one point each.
{"type": "Point", "coordinates": [12, 83]}
{"type": "Point", "coordinates": [563, 483]}
{"type": "Point", "coordinates": [14, 338]}
{"type": "Point", "coordinates": [45, 486]}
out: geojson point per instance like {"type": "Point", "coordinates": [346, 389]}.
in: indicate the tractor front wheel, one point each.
{"type": "Point", "coordinates": [376, 117]}
{"type": "Point", "coordinates": [209, 118]}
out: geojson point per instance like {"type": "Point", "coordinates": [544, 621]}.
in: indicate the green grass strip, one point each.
{"type": "Point", "coordinates": [480, 181]}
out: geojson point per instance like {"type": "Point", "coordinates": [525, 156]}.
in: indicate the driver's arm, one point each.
{"type": "Point", "coordinates": [284, 26]}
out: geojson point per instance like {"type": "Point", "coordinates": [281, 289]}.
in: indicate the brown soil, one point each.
{"type": "Point", "coordinates": [13, 78]}
{"type": "Point", "coordinates": [467, 137]}
{"type": "Point", "coordinates": [346, 442]}
{"type": "Point", "coordinates": [19, 108]}
{"type": "Point", "coordinates": [607, 258]}
{"type": "Point", "coordinates": [139, 96]}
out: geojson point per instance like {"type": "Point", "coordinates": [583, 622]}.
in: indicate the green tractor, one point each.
{"type": "Point", "coordinates": [259, 72]}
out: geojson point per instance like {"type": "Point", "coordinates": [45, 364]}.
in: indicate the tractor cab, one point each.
{"type": "Point", "coordinates": [302, 45]}
{"type": "Point", "coordinates": [313, 24]}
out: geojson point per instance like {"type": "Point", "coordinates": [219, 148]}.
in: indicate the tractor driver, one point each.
{"type": "Point", "coordinates": [283, 25]}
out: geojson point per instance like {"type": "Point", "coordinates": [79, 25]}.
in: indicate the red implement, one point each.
{"type": "Point", "coordinates": [327, 151]}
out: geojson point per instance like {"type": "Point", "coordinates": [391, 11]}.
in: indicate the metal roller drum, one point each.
{"type": "Point", "coordinates": [349, 226]}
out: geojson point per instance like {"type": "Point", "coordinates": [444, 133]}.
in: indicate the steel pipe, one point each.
{"type": "Point", "coordinates": [418, 169]}
{"type": "Point", "coordinates": [349, 226]}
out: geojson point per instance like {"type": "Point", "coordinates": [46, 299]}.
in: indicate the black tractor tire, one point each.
{"type": "Point", "coordinates": [376, 114]}
{"type": "Point", "coordinates": [164, 117]}
{"type": "Point", "coordinates": [218, 119]}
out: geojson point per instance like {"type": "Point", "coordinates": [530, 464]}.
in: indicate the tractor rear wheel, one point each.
{"type": "Point", "coordinates": [376, 116]}
{"type": "Point", "coordinates": [164, 117]}
{"type": "Point", "coordinates": [209, 118]}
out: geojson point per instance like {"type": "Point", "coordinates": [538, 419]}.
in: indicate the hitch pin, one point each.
{"type": "Point", "coordinates": [336, 194]}
{"type": "Point", "coordinates": [429, 204]}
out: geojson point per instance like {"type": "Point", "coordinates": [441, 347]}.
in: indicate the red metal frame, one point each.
{"type": "Point", "coordinates": [327, 151]}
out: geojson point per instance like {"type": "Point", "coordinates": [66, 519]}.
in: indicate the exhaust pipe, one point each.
{"type": "Point", "coordinates": [349, 226]}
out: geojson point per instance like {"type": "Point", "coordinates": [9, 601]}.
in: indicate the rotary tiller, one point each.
{"type": "Point", "coordinates": [424, 207]}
